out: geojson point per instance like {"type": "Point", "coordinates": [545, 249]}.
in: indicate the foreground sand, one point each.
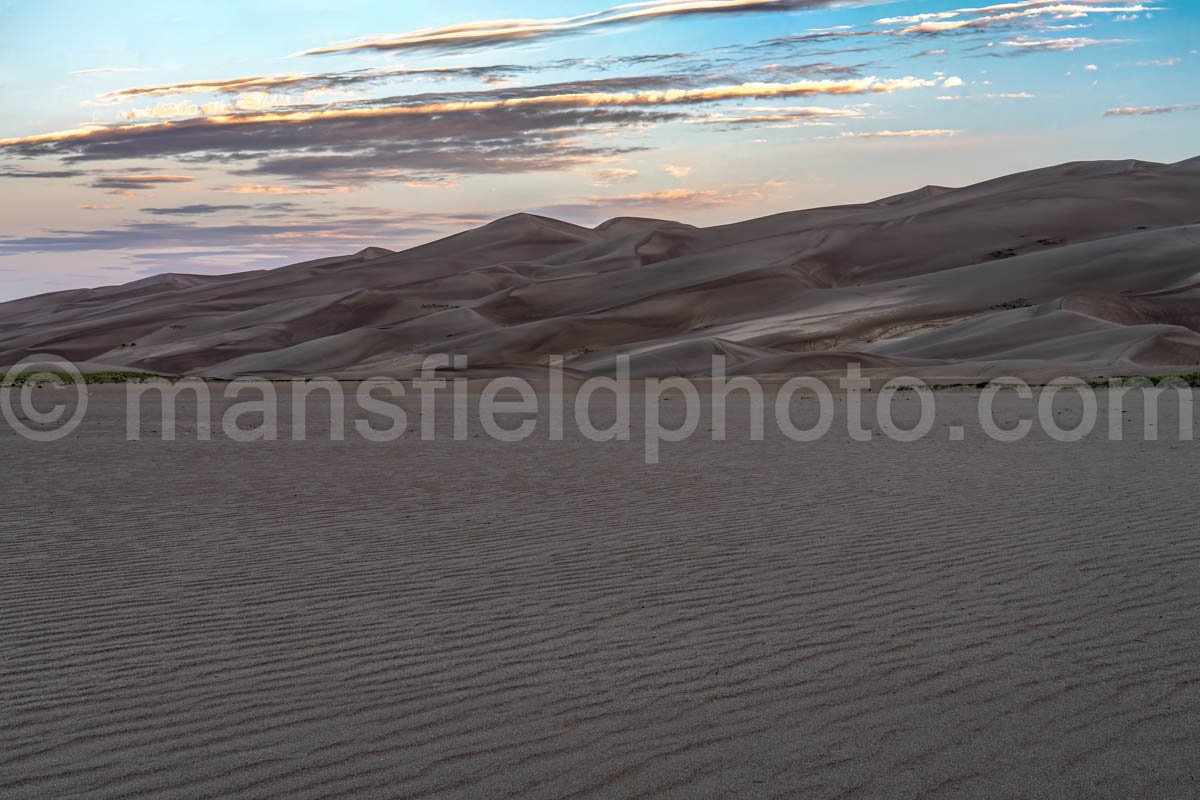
{"type": "Point", "coordinates": [476, 619]}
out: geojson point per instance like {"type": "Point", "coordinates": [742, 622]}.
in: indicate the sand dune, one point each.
{"type": "Point", "coordinates": [1081, 268]}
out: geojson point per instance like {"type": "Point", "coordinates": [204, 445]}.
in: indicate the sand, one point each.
{"type": "Point", "coordinates": [543, 620]}
{"type": "Point", "coordinates": [1087, 268]}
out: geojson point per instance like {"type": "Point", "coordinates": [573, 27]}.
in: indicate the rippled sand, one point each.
{"type": "Point", "coordinates": [476, 619]}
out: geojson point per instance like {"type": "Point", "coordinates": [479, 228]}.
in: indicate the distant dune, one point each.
{"type": "Point", "coordinates": [1083, 268]}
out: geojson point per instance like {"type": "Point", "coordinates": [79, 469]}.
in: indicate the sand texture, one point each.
{"type": "Point", "coordinates": [559, 620]}
{"type": "Point", "coordinates": [1084, 268]}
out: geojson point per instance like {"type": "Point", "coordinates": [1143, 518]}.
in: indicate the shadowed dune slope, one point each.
{"type": "Point", "coordinates": [1082, 268]}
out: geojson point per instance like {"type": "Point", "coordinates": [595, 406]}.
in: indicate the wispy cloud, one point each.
{"type": "Point", "coordinates": [307, 81]}
{"type": "Point", "coordinates": [126, 184]}
{"type": "Point", "coordinates": [197, 209]}
{"type": "Point", "coordinates": [997, 96]}
{"type": "Point", "coordinates": [1005, 14]}
{"type": "Point", "coordinates": [286, 191]}
{"type": "Point", "coordinates": [776, 116]}
{"type": "Point", "coordinates": [228, 86]}
{"type": "Point", "coordinates": [687, 198]}
{"type": "Point", "coordinates": [242, 237]}
{"type": "Point", "coordinates": [1023, 44]}
{"type": "Point", "coordinates": [868, 85]}
{"type": "Point", "coordinates": [429, 139]}
{"type": "Point", "coordinates": [179, 241]}
{"type": "Point", "coordinates": [500, 32]}
{"type": "Point", "coordinates": [45, 173]}
{"type": "Point", "coordinates": [1011, 18]}
{"type": "Point", "coordinates": [613, 175]}
{"type": "Point", "coordinates": [1144, 111]}
{"type": "Point", "coordinates": [913, 134]}
{"type": "Point", "coordinates": [107, 70]}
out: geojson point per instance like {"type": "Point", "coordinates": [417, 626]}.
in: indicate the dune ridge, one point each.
{"type": "Point", "coordinates": [1085, 268]}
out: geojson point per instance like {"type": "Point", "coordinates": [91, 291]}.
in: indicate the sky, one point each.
{"type": "Point", "coordinates": [139, 138]}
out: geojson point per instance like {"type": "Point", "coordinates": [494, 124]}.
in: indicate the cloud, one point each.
{"type": "Point", "coordinates": [1091, 68]}
{"type": "Point", "coordinates": [185, 244]}
{"type": "Point", "coordinates": [913, 134]}
{"type": "Point", "coordinates": [46, 173]}
{"type": "Point", "coordinates": [107, 70]}
{"type": "Point", "coordinates": [479, 102]}
{"type": "Point", "coordinates": [1150, 110]}
{"type": "Point", "coordinates": [999, 96]}
{"type": "Point", "coordinates": [787, 42]}
{"type": "Point", "coordinates": [399, 162]}
{"type": "Point", "coordinates": [613, 175]}
{"type": "Point", "coordinates": [1016, 5]}
{"type": "Point", "coordinates": [181, 110]}
{"type": "Point", "coordinates": [1023, 12]}
{"type": "Point", "coordinates": [1160, 62]}
{"type": "Point", "coordinates": [204, 208]}
{"type": "Point", "coordinates": [308, 81]}
{"type": "Point", "coordinates": [667, 195]}
{"type": "Point", "coordinates": [422, 182]}
{"type": "Point", "coordinates": [473, 35]}
{"type": "Point", "coordinates": [244, 237]}
{"type": "Point", "coordinates": [776, 116]}
{"type": "Point", "coordinates": [777, 72]}
{"type": "Point", "coordinates": [125, 184]}
{"type": "Point", "coordinates": [430, 138]}
{"type": "Point", "coordinates": [677, 171]}
{"type": "Point", "coordinates": [289, 191]}
{"type": "Point", "coordinates": [1065, 45]}
{"type": "Point", "coordinates": [262, 131]}
{"type": "Point", "coordinates": [408, 147]}
{"type": "Point", "coordinates": [1012, 17]}
{"type": "Point", "coordinates": [222, 86]}
{"type": "Point", "coordinates": [686, 198]}
{"type": "Point", "coordinates": [143, 235]}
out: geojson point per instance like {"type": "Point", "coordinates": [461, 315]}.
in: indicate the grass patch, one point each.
{"type": "Point", "coordinates": [1191, 379]}
{"type": "Point", "coordinates": [22, 378]}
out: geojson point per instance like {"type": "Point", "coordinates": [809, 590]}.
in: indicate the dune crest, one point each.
{"type": "Point", "coordinates": [1082, 268]}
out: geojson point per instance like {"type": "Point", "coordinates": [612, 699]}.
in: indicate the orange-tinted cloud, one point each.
{"type": "Point", "coordinates": [689, 198]}
{"type": "Point", "coordinates": [300, 81]}
{"type": "Point", "coordinates": [869, 85]}
{"type": "Point", "coordinates": [613, 175]}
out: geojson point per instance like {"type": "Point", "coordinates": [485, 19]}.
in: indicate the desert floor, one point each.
{"type": "Point", "coordinates": [541, 619]}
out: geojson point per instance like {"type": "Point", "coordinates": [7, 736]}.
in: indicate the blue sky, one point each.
{"type": "Point", "coordinates": [146, 137]}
